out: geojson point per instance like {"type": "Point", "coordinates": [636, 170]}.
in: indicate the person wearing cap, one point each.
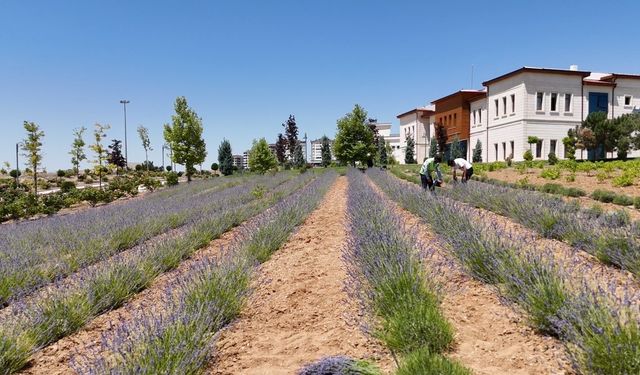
{"type": "Point", "coordinates": [429, 167]}
{"type": "Point", "coordinates": [464, 166]}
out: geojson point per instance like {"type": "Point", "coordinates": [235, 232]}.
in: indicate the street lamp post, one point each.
{"type": "Point", "coordinates": [126, 157]}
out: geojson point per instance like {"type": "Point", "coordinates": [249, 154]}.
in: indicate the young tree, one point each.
{"type": "Point", "coordinates": [146, 143]}
{"type": "Point", "coordinates": [77, 149]}
{"type": "Point", "coordinates": [585, 139]}
{"type": "Point", "coordinates": [382, 151]}
{"type": "Point", "coordinates": [261, 159]}
{"type": "Point", "coordinates": [569, 143]}
{"type": "Point", "coordinates": [298, 157]}
{"type": "Point", "coordinates": [456, 148]}
{"type": "Point", "coordinates": [281, 149]}
{"type": "Point", "coordinates": [185, 137]}
{"type": "Point", "coordinates": [291, 133]}
{"type": "Point", "coordinates": [433, 147]}
{"type": "Point", "coordinates": [325, 151]}
{"type": "Point", "coordinates": [441, 138]}
{"type": "Point", "coordinates": [603, 130]}
{"type": "Point", "coordinates": [225, 157]}
{"type": "Point", "coordinates": [477, 152]}
{"type": "Point", "coordinates": [100, 151]}
{"type": "Point", "coordinates": [531, 140]}
{"type": "Point", "coordinates": [214, 167]}
{"type": "Point", "coordinates": [354, 140]}
{"type": "Point", "coordinates": [409, 151]}
{"type": "Point", "coordinates": [32, 147]}
{"type": "Point", "coordinates": [115, 156]}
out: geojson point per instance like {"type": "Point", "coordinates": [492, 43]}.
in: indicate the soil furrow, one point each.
{"type": "Point", "coordinates": [298, 311]}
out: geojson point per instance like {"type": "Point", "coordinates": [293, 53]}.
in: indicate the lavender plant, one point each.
{"type": "Point", "coordinates": [339, 365]}
{"type": "Point", "coordinates": [388, 278]}
{"type": "Point", "coordinates": [178, 340]}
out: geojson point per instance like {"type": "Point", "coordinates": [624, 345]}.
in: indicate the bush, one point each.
{"type": "Point", "coordinates": [528, 155]}
{"type": "Point", "coordinates": [67, 186]}
{"type": "Point", "coordinates": [172, 178]}
{"type": "Point", "coordinates": [180, 174]}
{"type": "Point", "coordinates": [124, 186]}
{"type": "Point", "coordinates": [605, 196]}
{"type": "Point", "coordinates": [636, 202]}
{"type": "Point", "coordinates": [61, 173]}
{"type": "Point", "coordinates": [625, 179]}
{"type": "Point", "coordinates": [622, 200]}
{"type": "Point", "coordinates": [423, 362]}
{"type": "Point", "coordinates": [552, 173]}
{"type": "Point", "coordinates": [553, 159]}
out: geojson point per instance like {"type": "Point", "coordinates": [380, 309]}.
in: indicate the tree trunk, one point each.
{"type": "Point", "coordinates": [146, 159]}
{"type": "Point", "coordinates": [35, 180]}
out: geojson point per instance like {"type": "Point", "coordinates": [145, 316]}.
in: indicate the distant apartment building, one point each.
{"type": "Point", "coordinates": [238, 161]}
{"type": "Point", "coordinates": [245, 160]}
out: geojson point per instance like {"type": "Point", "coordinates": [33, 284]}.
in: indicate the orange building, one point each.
{"type": "Point", "coordinates": [453, 112]}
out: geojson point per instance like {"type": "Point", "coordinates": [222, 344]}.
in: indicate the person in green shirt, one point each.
{"type": "Point", "coordinates": [427, 177]}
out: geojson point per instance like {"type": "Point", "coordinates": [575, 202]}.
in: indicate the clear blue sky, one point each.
{"type": "Point", "coordinates": [244, 66]}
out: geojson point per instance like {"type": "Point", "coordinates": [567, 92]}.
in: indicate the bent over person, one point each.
{"type": "Point", "coordinates": [429, 167]}
{"type": "Point", "coordinates": [464, 166]}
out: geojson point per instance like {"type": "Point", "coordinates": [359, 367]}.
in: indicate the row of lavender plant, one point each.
{"type": "Point", "coordinates": [68, 308]}
{"type": "Point", "coordinates": [610, 237]}
{"type": "Point", "coordinates": [600, 329]}
{"type": "Point", "coordinates": [387, 276]}
{"type": "Point", "coordinates": [34, 254]}
{"type": "Point", "coordinates": [179, 339]}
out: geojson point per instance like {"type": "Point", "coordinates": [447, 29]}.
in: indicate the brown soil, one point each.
{"type": "Point", "coordinates": [490, 337]}
{"type": "Point", "coordinates": [584, 182]}
{"type": "Point", "coordinates": [299, 312]}
{"type": "Point", "coordinates": [54, 359]}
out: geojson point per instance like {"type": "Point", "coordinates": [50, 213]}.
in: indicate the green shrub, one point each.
{"type": "Point", "coordinates": [67, 186]}
{"type": "Point", "coordinates": [636, 202]}
{"type": "Point", "coordinates": [622, 200]}
{"type": "Point", "coordinates": [571, 177]}
{"type": "Point", "coordinates": [552, 173]}
{"type": "Point", "coordinates": [551, 188]}
{"type": "Point", "coordinates": [552, 158]}
{"type": "Point", "coordinates": [172, 178]}
{"type": "Point", "coordinates": [625, 179]}
{"type": "Point", "coordinates": [528, 155]}
{"type": "Point", "coordinates": [423, 362]}
{"type": "Point", "coordinates": [61, 173]}
{"type": "Point", "coordinates": [574, 192]}
{"type": "Point", "coordinates": [602, 176]}
{"type": "Point", "coordinates": [605, 196]}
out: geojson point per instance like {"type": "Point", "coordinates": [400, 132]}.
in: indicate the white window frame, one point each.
{"type": "Point", "coordinates": [541, 109]}
{"type": "Point", "coordinates": [570, 102]}
{"type": "Point", "coordinates": [630, 100]}
{"type": "Point", "coordinates": [551, 102]}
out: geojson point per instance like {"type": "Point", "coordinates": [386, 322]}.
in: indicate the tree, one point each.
{"type": "Point", "coordinates": [77, 149]}
{"type": "Point", "coordinates": [585, 139]}
{"type": "Point", "coordinates": [146, 143]}
{"type": "Point", "coordinates": [261, 159]}
{"type": "Point", "coordinates": [115, 156]}
{"type": "Point", "coordinates": [569, 143]}
{"type": "Point", "coordinates": [626, 129]}
{"type": "Point", "coordinates": [214, 167]}
{"type": "Point", "coordinates": [97, 147]}
{"type": "Point", "coordinates": [409, 151]}
{"type": "Point", "coordinates": [441, 137]}
{"type": "Point", "coordinates": [225, 158]}
{"type": "Point", "coordinates": [32, 147]}
{"type": "Point", "coordinates": [603, 130]}
{"type": "Point", "coordinates": [456, 148]}
{"type": "Point", "coordinates": [298, 157]}
{"type": "Point", "coordinates": [531, 140]}
{"type": "Point", "coordinates": [354, 140]}
{"type": "Point", "coordinates": [433, 147]}
{"type": "Point", "coordinates": [382, 151]}
{"type": "Point", "coordinates": [281, 148]}
{"type": "Point", "coordinates": [325, 151]}
{"type": "Point", "coordinates": [477, 152]}
{"type": "Point", "coordinates": [291, 134]}
{"type": "Point", "coordinates": [185, 137]}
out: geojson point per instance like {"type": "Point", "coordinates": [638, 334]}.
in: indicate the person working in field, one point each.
{"type": "Point", "coordinates": [430, 167]}
{"type": "Point", "coordinates": [464, 166]}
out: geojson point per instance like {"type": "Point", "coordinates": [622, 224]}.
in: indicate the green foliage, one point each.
{"type": "Point", "coordinates": [477, 152]}
{"type": "Point", "coordinates": [115, 156]}
{"type": "Point", "coordinates": [143, 133]}
{"type": "Point", "coordinates": [172, 178]}
{"type": "Point", "coordinates": [551, 173]}
{"type": "Point", "coordinates": [627, 178]}
{"type": "Point", "coordinates": [67, 186]}
{"type": "Point", "coordinates": [441, 137]}
{"type": "Point", "coordinates": [382, 151]}
{"type": "Point", "coordinates": [528, 156]}
{"type": "Point", "coordinates": [433, 147]}
{"type": "Point", "coordinates": [261, 159]}
{"type": "Point", "coordinates": [32, 147]}
{"type": "Point", "coordinates": [409, 151]}
{"type": "Point", "coordinates": [214, 167]}
{"type": "Point", "coordinates": [225, 157]}
{"type": "Point", "coordinates": [354, 140]}
{"type": "Point", "coordinates": [605, 196]}
{"type": "Point", "coordinates": [291, 136]}
{"type": "Point", "coordinates": [99, 150]}
{"type": "Point", "coordinates": [298, 157]}
{"type": "Point", "coordinates": [325, 151]}
{"type": "Point", "coordinates": [552, 158]}
{"type": "Point", "coordinates": [185, 136]}
{"type": "Point", "coordinates": [622, 200]}
{"type": "Point", "coordinates": [423, 362]}
{"type": "Point", "coordinates": [456, 148]}
{"type": "Point", "coordinates": [636, 202]}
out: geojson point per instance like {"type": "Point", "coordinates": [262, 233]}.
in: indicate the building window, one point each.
{"type": "Point", "coordinates": [480, 116]}
{"type": "Point", "coordinates": [567, 102]}
{"type": "Point", "coordinates": [554, 102]}
{"type": "Point", "coordinates": [627, 100]}
{"type": "Point", "coordinates": [513, 103]}
{"type": "Point", "coordinates": [495, 145]}
{"type": "Point", "coordinates": [504, 150]}
{"type": "Point", "coordinates": [497, 111]}
{"type": "Point", "coordinates": [504, 105]}
{"type": "Point", "coordinates": [512, 151]}
{"type": "Point", "coordinates": [552, 146]}
{"type": "Point", "coordinates": [539, 149]}
{"type": "Point", "coordinates": [540, 101]}
{"type": "Point", "coordinates": [455, 119]}
{"type": "Point", "coordinates": [474, 117]}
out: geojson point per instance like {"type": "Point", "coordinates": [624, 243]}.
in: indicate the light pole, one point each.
{"type": "Point", "coordinates": [126, 157]}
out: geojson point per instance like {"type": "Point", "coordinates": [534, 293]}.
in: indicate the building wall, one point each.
{"type": "Point", "coordinates": [419, 129]}
{"type": "Point", "coordinates": [477, 125]}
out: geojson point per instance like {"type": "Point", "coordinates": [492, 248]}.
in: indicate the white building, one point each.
{"type": "Point", "coordinates": [417, 124]}
{"type": "Point", "coordinates": [393, 140]}
{"type": "Point", "coordinates": [316, 151]}
{"type": "Point", "coordinates": [238, 161]}
{"type": "Point", "coordinates": [245, 160]}
{"type": "Point", "coordinates": [545, 103]}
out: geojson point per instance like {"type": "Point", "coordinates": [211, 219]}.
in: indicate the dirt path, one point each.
{"type": "Point", "coordinates": [55, 359]}
{"type": "Point", "coordinates": [298, 311]}
{"type": "Point", "coordinates": [491, 338]}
